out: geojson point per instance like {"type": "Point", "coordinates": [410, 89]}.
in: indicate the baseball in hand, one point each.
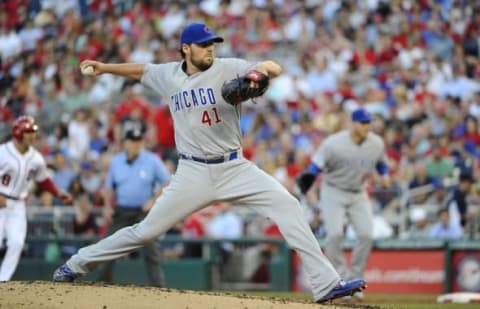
{"type": "Point", "coordinates": [88, 70]}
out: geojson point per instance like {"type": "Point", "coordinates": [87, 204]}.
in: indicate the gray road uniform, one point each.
{"type": "Point", "coordinates": [212, 168]}
{"type": "Point", "coordinates": [345, 165]}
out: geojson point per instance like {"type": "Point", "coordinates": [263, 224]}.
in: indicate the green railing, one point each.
{"type": "Point", "coordinates": [202, 273]}
{"type": "Point", "coordinates": [187, 273]}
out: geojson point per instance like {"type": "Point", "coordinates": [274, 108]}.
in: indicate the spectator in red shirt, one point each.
{"type": "Point", "coordinates": [132, 101]}
{"type": "Point", "coordinates": [194, 227]}
{"type": "Point", "coordinates": [165, 135]}
{"type": "Point", "coordinates": [133, 111]}
{"type": "Point", "coordinates": [472, 133]}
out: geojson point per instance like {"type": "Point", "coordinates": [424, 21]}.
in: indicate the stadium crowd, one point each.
{"type": "Point", "coordinates": [413, 64]}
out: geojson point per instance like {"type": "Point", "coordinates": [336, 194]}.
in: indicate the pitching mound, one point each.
{"type": "Point", "coordinates": [42, 295]}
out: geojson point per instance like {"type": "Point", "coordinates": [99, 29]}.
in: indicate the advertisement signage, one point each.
{"type": "Point", "coordinates": [406, 271]}
{"type": "Point", "coordinates": [466, 271]}
{"type": "Point", "coordinates": [394, 271]}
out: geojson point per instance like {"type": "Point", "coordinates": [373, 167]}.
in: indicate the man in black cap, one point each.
{"type": "Point", "coordinates": [134, 181]}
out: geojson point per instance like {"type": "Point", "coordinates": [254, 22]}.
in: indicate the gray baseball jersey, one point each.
{"type": "Point", "coordinates": [345, 166]}
{"type": "Point", "coordinates": [208, 127]}
{"type": "Point", "coordinates": [204, 124]}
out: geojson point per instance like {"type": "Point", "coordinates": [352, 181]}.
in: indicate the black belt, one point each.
{"type": "Point", "coordinates": [129, 207]}
{"type": "Point", "coordinates": [346, 190]}
{"type": "Point", "coordinates": [217, 160]}
{"type": "Point", "coordinates": [10, 197]}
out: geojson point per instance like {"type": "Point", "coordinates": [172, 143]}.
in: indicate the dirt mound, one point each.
{"type": "Point", "coordinates": [42, 294]}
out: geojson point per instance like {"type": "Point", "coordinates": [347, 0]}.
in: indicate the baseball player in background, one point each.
{"type": "Point", "coordinates": [346, 159]}
{"type": "Point", "coordinates": [211, 166]}
{"type": "Point", "coordinates": [20, 163]}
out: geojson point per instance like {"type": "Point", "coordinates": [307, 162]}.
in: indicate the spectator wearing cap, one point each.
{"type": "Point", "coordinates": [90, 180]}
{"type": "Point", "coordinates": [458, 207]}
{"type": "Point", "coordinates": [419, 226]}
{"type": "Point", "coordinates": [98, 143]}
{"type": "Point", "coordinates": [134, 180]}
{"type": "Point", "coordinates": [134, 111]}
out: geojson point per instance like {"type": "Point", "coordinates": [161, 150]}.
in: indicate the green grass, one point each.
{"type": "Point", "coordinates": [427, 306]}
{"type": "Point", "coordinates": [384, 301]}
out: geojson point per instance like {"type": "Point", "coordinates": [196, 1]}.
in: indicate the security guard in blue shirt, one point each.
{"type": "Point", "coordinates": [134, 181]}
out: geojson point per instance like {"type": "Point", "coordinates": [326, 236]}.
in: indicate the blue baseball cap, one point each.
{"type": "Point", "coordinates": [361, 115]}
{"type": "Point", "coordinates": [198, 33]}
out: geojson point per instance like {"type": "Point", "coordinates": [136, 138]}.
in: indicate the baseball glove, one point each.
{"type": "Point", "coordinates": [240, 89]}
{"type": "Point", "coordinates": [305, 181]}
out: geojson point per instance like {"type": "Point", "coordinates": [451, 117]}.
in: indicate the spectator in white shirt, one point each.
{"type": "Point", "coordinates": [30, 35]}
{"type": "Point", "coordinates": [78, 135]}
{"type": "Point", "coordinates": [10, 43]}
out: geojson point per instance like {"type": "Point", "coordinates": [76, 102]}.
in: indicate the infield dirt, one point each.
{"type": "Point", "coordinates": [50, 295]}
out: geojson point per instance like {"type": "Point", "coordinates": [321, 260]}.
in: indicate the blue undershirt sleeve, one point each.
{"type": "Point", "coordinates": [312, 168]}
{"type": "Point", "coordinates": [382, 168]}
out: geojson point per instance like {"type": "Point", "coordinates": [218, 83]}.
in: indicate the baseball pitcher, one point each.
{"type": "Point", "coordinates": [345, 160]}
{"type": "Point", "coordinates": [205, 95]}
{"type": "Point", "coordinates": [20, 163]}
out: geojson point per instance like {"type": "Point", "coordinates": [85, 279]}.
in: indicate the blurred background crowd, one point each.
{"type": "Point", "coordinates": [413, 64]}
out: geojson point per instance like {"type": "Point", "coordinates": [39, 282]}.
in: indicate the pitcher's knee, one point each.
{"type": "Point", "coordinates": [145, 234]}
{"type": "Point", "coordinates": [286, 201]}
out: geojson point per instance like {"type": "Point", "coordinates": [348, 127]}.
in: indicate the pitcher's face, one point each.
{"type": "Point", "coordinates": [201, 55]}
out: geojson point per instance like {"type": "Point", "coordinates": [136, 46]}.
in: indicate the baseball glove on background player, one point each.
{"type": "Point", "coordinates": [241, 89]}
{"type": "Point", "coordinates": [305, 181]}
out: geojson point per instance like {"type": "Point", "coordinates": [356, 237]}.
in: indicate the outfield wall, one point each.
{"type": "Point", "coordinates": [419, 266]}
{"type": "Point", "coordinates": [395, 266]}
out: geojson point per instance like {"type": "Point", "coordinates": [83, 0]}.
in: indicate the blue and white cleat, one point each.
{"type": "Point", "coordinates": [64, 274]}
{"type": "Point", "coordinates": [344, 288]}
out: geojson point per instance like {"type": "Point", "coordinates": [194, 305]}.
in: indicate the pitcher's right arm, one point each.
{"type": "Point", "coordinates": [130, 70]}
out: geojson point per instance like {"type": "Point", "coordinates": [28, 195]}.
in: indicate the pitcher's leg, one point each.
{"type": "Point", "coordinates": [267, 196]}
{"type": "Point", "coordinates": [333, 213]}
{"type": "Point", "coordinates": [172, 206]}
{"type": "Point", "coordinates": [286, 212]}
{"type": "Point", "coordinates": [362, 221]}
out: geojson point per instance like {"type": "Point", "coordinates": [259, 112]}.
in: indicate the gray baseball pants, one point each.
{"type": "Point", "coordinates": [196, 185]}
{"type": "Point", "coordinates": [339, 207]}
